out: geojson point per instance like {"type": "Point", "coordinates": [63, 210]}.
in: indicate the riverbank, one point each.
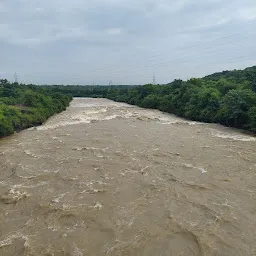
{"type": "Point", "coordinates": [227, 98]}
{"type": "Point", "coordinates": [23, 106]}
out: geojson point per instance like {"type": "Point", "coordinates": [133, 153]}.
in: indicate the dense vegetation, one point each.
{"type": "Point", "coordinates": [23, 106]}
{"type": "Point", "coordinates": [228, 97]}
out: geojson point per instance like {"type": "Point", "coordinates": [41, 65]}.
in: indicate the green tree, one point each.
{"type": "Point", "coordinates": [236, 106]}
{"type": "Point", "coordinates": [252, 118]}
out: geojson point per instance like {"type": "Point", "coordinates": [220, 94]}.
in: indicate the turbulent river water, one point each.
{"type": "Point", "coordinates": [106, 178]}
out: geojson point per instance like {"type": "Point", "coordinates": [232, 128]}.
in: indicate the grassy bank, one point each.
{"type": "Point", "coordinates": [23, 106]}
{"type": "Point", "coordinates": [227, 97]}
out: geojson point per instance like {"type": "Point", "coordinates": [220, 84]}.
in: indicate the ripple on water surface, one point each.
{"type": "Point", "coordinates": [106, 178]}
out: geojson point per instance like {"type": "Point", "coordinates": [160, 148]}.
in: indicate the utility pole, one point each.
{"type": "Point", "coordinates": [15, 78]}
{"type": "Point", "coordinates": [154, 79]}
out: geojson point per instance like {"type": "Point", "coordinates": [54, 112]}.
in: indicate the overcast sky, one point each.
{"type": "Point", "coordinates": [126, 41]}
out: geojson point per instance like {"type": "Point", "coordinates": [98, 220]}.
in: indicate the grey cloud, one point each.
{"type": "Point", "coordinates": [79, 41]}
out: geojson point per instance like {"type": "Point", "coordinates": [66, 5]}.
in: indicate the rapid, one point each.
{"type": "Point", "coordinates": [107, 178]}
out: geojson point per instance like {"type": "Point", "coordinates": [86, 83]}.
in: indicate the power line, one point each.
{"type": "Point", "coordinates": [199, 54]}
{"type": "Point", "coordinates": [200, 48]}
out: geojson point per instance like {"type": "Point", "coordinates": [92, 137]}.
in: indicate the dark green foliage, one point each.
{"type": "Point", "coordinates": [236, 105]}
{"type": "Point", "coordinates": [252, 119]}
{"type": "Point", "coordinates": [228, 97]}
{"type": "Point", "coordinates": [23, 106]}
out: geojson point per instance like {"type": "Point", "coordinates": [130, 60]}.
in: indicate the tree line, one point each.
{"type": "Point", "coordinates": [228, 97]}
{"type": "Point", "coordinates": [23, 106]}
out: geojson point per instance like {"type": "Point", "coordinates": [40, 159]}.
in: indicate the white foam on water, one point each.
{"type": "Point", "coordinates": [42, 183]}
{"type": "Point", "coordinates": [57, 199]}
{"type": "Point", "coordinates": [13, 196]}
{"type": "Point", "coordinates": [82, 117]}
{"type": "Point", "coordinates": [201, 169]}
{"type": "Point", "coordinates": [54, 228]}
{"type": "Point", "coordinates": [101, 110]}
{"type": "Point", "coordinates": [76, 251]}
{"type": "Point", "coordinates": [189, 165]}
{"type": "Point", "coordinates": [98, 206]}
{"type": "Point", "coordinates": [238, 137]}
{"type": "Point", "coordinates": [49, 171]}
{"type": "Point", "coordinates": [9, 240]}
{"type": "Point", "coordinates": [93, 103]}
{"type": "Point", "coordinates": [28, 153]}
{"type": "Point", "coordinates": [5, 242]}
{"type": "Point", "coordinates": [27, 177]}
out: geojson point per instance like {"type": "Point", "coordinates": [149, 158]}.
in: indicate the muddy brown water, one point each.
{"type": "Point", "coordinates": [106, 178]}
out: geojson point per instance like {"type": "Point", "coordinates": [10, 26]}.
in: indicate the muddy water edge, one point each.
{"type": "Point", "coordinates": [106, 178]}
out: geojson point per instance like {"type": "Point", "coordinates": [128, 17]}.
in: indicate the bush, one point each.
{"type": "Point", "coordinates": [27, 105]}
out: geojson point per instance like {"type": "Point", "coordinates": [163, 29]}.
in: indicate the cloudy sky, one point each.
{"type": "Point", "coordinates": [126, 41]}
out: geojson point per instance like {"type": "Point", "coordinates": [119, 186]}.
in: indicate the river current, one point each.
{"type": "Point", "coordinates": [107, 178]}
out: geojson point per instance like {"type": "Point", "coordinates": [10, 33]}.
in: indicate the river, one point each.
{"type": "Point", "coordinates": [107, 178]}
